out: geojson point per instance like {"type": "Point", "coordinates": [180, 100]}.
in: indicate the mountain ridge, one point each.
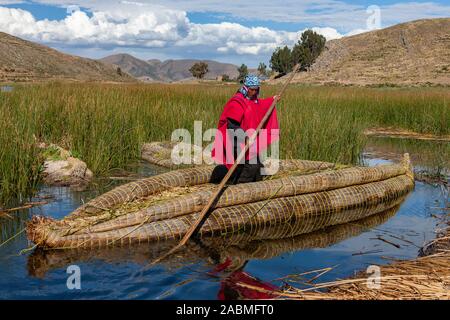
{"type": "Point", "coordinates": [23, 60]}
{"type": "Point", "coordinates": [168, 70]}
{"type": "Point", "coordinates": [411, 53]}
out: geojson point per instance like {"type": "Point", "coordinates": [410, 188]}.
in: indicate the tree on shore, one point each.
{"type": "Point", "coordinates": [199, 69]}
{"type": "Point", "coordinates": [308, 48]}
{"type": "Point", "coordinates": [305, 52]}
{"type": "Point", "coordinates": [243, 72]}
{"type": "Point", "coordinates": [281, 60]}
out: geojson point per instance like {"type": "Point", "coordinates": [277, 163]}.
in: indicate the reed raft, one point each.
{"type": "Point", "coordinates": [163, 207]}
{"type": "Point", "coordinates": [210, 251]}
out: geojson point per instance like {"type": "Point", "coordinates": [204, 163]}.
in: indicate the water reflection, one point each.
{"type": "Point", "coordinates": [431, 157]}
{"type": "Point", "coordinates": [235, 250]}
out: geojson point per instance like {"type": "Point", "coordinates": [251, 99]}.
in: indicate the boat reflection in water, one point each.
{"type": "Point", "coordinates": [225, 256]}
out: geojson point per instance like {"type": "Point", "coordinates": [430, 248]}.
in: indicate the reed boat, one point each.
{"type": "Point", "coordinates": [211, 251]}
{"type": "Point", "coordinates": [303, 197]}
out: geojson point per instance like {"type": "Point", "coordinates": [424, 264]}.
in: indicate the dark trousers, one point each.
{"type": "Point", "coordinates": [244, 173]}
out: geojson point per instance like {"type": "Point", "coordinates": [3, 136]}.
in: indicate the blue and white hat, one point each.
{"type": "Point", "coordinates": [252, 81]}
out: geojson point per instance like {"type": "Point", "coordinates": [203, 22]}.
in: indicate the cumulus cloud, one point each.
{"type": "Point", "coordinates": [232, 37]}
{"type": "Point", "coordinates": [148, 29]}
{"type": "Point", "coordinates": [253, 41]}
{"type": "Point", "coordinates": [306, 11]}
{"type": "Point", "coordinates": [343, 15]}
{"type": "Point", "coordinates": [139, 25]}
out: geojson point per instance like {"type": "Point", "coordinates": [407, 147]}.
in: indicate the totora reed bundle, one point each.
{"type": "Point", "coordinates": [238, 248]}
{"type": "Point", "coordinates": [163, 207]}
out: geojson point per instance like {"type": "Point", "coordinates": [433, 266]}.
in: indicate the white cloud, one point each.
{"type": "Point", "coordinates": [233, 37]}
{"type": "Point", "coordinates": [339, 14]}
{"type": "Point", "coordinates": [328, 33]}
{"type": "Point", "coordinates": [164, 27]}
{"type": "Point", "coordinates": [307, 11]}
{"type": "Point", "coordinates": [148, 29]}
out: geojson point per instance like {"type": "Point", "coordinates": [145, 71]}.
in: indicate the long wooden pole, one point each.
{"type": "Point", "coordinates": [241, 155]}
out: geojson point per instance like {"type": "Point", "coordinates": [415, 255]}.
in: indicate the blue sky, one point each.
{"type": "Point", "coordinates": [217, 17]}
{"type": "Point", "coordinates": [230, 31]}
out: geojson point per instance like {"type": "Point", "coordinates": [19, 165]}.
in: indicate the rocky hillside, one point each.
{"type": "Point", "coordinates": [169, 70]}
{"type": "Point", "coordinates": [22, 60]}
{"type": "Point", "coordinates": [416, 52]}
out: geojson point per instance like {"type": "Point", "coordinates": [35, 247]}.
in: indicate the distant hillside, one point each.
{"type": "Point", "coordinates": [169, 70]}
{"type": "Point", "coordinates": [131, 65]}
{"type": "Point", "coordinates": [22, 60]}
{"type": "Point", "coordinates": [416, 52]}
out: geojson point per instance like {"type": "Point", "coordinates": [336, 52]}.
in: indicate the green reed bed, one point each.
{"type": "Point", "coordinates": [106, 124]}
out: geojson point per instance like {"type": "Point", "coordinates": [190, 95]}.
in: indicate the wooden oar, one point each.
{"type": "Point", "coordinates": [241, 155]}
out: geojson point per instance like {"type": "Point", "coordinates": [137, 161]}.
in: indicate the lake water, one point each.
{"type": "Point", "coordinates": [195, 272]}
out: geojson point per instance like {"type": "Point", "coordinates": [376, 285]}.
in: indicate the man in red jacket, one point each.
{"type": "Point", "coordinates": [239, 119]}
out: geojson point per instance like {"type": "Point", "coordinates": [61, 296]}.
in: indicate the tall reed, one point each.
{"type": "Point", "coordinates": [106, 124]}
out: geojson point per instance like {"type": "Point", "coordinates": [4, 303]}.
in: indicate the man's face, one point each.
{"type": "Point", "coordinates": [252, 92]}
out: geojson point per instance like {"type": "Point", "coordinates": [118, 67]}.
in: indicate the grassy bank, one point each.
{"type": "Point", "coordinates": [105, 124]}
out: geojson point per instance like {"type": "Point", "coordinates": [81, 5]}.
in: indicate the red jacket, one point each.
{"type": "Point", "coordinates": [249, 114]}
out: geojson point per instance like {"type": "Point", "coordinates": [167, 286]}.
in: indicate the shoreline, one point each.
{"type": "Point", "coordinates": [390, 132]}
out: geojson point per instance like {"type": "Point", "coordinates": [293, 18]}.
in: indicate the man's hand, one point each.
{"type": "Point", "coordinates": [277, 98]}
